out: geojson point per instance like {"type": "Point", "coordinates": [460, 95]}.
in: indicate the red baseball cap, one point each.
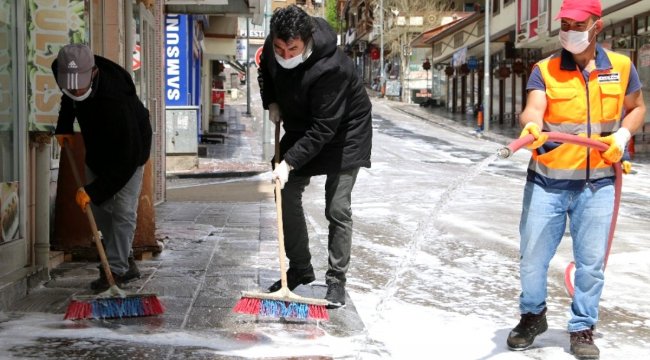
{"type": "Point", "coordinates": [579, 10]}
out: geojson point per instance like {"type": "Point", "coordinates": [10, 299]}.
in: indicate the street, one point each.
{"type": "Point", "coordinates": [436, 236]}
{"type": "Point", "coordinates": [433, 275]}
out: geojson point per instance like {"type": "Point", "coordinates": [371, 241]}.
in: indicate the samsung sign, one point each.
{"type": "Point", "coordinates": [176, 67]}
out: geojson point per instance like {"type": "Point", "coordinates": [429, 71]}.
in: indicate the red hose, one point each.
{"type": "Point", "coordinates": [577, 140]}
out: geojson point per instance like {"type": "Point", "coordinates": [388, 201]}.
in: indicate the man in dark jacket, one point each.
{"type": "Point", "coordinates": [116, 131]}
{"type": "Point", "coordinates": [310, 85]}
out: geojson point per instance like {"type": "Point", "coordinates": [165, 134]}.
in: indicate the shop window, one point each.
{"type": "Point", "coordinates": [8, 89]}
{"type": "Point", "coordinates": [641, 24]}
{"type": "Point", "coordinates": [437, 49]}
{"type": "Point", "coordinates": [458, 39]}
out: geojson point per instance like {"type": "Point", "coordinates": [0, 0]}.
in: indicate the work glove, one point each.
{"type": "Point", "coordinates": [82, 198]}
{"type": "Point", "coordinates": [281, 172]}
{"type": "Point", "coordinates": [617, 142]}
{"type": "Point", "coordinates": [533, 129]}
{"type": "Point", "coordinates": [626, 166]}
{"type": "Point", "coordinates": [65, 138]}
{"type": "Point", "coordinates": [274, 113]}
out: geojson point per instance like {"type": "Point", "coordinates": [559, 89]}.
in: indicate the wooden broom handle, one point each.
{"type": "Point", "coordinates": [91, 219]}
{"type": "Point", "coordinates": [278, 209]}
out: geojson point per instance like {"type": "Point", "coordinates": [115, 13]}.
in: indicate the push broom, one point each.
{"type": "Point", "coordinates": [281, 303]}
{"type": "Point", "coordinates": [114, 302]}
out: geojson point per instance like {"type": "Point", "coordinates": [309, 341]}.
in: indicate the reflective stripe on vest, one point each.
{"type": "Point", "coordinates": [579, 108]}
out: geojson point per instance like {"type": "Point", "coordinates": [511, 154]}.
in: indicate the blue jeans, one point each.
{"type": "Point", "coordinates": [543, 222]}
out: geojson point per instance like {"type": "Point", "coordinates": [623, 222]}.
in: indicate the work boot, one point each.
{"type": "Point", "coordinates": [335, 295]}
{"type": "Point", "coordinates": [582, 345]}
{"type": "Point", "coordinates": [523, 335]}
{"type": "Point", "coordinates": [295, 277]}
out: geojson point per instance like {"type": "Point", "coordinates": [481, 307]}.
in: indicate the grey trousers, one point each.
{"type": "Point", "coordinates": [338, 211]}
{"type": "Point", "coordinates": [116, 219]}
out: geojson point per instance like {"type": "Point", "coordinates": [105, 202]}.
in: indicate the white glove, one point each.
{"type": "Point", "coordinates": [274, 113]}
{"type": "Point", "coordinates": [281, 172]}
{"type": "Point", "coordinates": [617, 142]}
{"type": "Point", "coordinates": [622, 137]}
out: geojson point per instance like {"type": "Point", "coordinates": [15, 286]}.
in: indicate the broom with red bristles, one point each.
{"type": "Point", "coordinates": [282, 303]}
{"type": "Point", "coordinates": [114, 302]}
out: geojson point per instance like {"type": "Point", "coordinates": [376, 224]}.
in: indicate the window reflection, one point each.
{"type": "Point", "coordinates": [7, 85]}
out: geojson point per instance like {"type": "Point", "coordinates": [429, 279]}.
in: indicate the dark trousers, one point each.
{"type": "Point", "coordinates": [338, 211]}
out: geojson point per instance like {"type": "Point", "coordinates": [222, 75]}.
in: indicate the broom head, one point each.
{"type": "Point", "coordinates": [96, 307]}
{"type": "Point", "coordinates": [282, 303]}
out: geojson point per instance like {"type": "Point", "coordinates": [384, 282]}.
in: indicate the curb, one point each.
{"type": "Point", "coordinates": [491, 136]}
{"type": "Point", "coordinates": [217, 174]}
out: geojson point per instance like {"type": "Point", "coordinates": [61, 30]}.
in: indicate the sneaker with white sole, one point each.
{"type": "Point", "coordinates": [335, 295]}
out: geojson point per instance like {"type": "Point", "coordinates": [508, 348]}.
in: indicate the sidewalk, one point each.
{"type": "Point", "coordinates": [243, 152]}
{"type": "Point", "coordinates": [461, 123]}
{"type": "Point", "coordinates": [219, 238]}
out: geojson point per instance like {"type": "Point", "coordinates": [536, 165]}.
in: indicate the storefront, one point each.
{"type": "Point", "coordinates": [31, 34]}
{"type": "Point", "coordinates": [14, 250]}
{"type": "Point", "coordinates": [642, 27]}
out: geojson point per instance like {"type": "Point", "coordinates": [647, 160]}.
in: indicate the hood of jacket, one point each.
{"type": "Point", "coordinates": [112, 79]}
{"type": "Point", "coordinates": [324, 40]}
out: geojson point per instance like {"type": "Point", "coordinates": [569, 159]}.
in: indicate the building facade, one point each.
{"type": "Point", "coordinates": [35, 231]}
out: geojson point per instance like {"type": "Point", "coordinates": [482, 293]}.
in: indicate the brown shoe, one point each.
{"type": "Point", "coordinates": [582, 345]}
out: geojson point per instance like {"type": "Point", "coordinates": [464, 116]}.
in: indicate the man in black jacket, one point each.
{"type": "Point", "coordinates": [311, 86]}
{"type": "Point", "coordinates": [116, 131]}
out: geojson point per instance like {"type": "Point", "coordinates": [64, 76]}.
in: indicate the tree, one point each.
{"type": "Point", "coordinates": [331, 14]}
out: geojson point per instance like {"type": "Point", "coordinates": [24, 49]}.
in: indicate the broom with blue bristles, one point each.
{"type": "Point", "coordinates": [114, 302]}
{"type": "Point", "coordinates": [282, 303]}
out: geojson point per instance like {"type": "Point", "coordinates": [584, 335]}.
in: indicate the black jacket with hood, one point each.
{"type": "Point", "coordinates": [325, 109]}
{"type": "Point", "coordinates": [115, 127]}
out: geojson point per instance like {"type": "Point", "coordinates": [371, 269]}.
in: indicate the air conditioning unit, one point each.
{"type": "Point", "coordinates": [522, 34]}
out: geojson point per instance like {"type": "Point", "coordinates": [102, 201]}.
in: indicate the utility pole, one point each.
{"type": "Point", "coordinates": [381, 41]}
{"type": "Point", "coordinates": [486, 70]}
{"type": "Point", "coordinates": [248, 68]}
{"type": "Point", "coordinates": [266, 129]}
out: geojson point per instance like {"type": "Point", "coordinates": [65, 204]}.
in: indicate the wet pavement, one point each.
{"type": "Point", "coordinates": [219, 235]}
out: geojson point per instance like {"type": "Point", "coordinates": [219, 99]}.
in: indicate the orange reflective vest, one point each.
{"type": "Point", "coordinates": [585, 108]}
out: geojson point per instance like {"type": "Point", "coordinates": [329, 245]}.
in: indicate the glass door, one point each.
{"type": "Point", "coordinates": [13, 246]}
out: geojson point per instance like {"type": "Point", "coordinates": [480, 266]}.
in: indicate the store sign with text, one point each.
{"type": "Point", "coordinates": [176, 51]}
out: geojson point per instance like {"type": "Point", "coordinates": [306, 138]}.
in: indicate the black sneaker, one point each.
{"type": "Point", "coordinates": [295, 277]}
{"type": "Point", "coordinates": [101, 284]}
{"type": "Point", "coordinates": [133, 272]}
{"type": "Point", "coordinates": [335, 295]}
{"type": "Point", "coordinates": [582, 345]}
{"type": "Point", "coordinates": [523, 335]}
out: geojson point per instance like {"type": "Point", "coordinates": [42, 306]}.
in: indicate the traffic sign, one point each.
{"type": "Point", "coordinates": [472, 63]}
{"type": "Point", "coordinates": [258, 55]}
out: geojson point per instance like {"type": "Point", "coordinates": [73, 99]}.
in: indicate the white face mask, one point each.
{"type": "Point", "coordinates": [78, 98]}
{"type": "Point", "coordinates": [575, 42]}
{"type": "Point", "coordinates": [296, 60]}
{"type": "Point", "coordinates": [289, 63]}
